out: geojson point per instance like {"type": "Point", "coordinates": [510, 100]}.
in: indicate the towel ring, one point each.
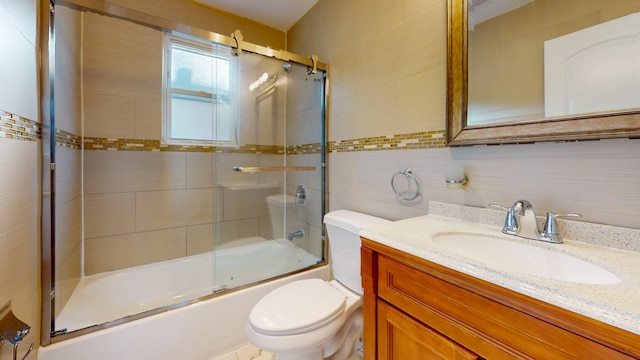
{"type": "Point", "coordinates": [406, 195]}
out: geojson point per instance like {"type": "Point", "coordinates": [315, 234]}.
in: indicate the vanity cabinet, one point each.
{"type": "Point", "coordinates": [416, 309]}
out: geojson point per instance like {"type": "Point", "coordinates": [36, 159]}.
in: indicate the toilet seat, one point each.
{"type": "Point", "coordinates": [297, 307]}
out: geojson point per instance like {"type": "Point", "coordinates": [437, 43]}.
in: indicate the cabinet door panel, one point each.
{"type": "Point", "coordinates": [483, 325]}
{"type": "Point", "coordinates": [403, 338]}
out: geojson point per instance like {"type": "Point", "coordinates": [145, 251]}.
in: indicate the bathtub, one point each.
{"type": "Point", "coordinates": [109, 296]}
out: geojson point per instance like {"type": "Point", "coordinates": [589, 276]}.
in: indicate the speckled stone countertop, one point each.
{"type": "Point", "coordinates": [617, 304]}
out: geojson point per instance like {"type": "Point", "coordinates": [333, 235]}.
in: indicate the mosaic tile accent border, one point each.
{"type": "Point", "coordinates": [68, 140]}
{"type": "Point", "coordinates": [95, 143]}
{"type": "Point", "coordinates": [315, 148]}
{"type": "Point", "coordinates": [18, 128]}
{"type": "Point", "coordinates": [420, 140]}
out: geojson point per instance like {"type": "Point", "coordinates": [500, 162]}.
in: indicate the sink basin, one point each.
{"type": "Point", "coordinates": [518, 257]}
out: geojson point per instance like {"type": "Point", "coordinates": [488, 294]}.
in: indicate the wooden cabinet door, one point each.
{"type": "Point", "coordinates": [400, 337]}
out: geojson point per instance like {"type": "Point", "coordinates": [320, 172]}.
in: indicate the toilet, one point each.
{"type": "Point", "coordinates": [314, 319]}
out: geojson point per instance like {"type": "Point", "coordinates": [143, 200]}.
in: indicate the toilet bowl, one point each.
{"type": "Point", "coordinates": [314, 319]}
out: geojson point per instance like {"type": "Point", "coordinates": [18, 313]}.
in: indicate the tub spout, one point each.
{"type": "Point", "coordinates": [296, 235]}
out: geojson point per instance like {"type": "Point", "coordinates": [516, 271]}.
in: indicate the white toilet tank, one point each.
{"type": "Point", "coordinates": [344, 245]}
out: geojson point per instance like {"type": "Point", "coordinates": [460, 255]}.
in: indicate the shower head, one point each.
{"type": "Point", "coordinates": [287, 67]}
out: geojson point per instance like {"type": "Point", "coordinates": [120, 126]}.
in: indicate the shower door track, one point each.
{"type": "Point", "coordinates": [103, 8]}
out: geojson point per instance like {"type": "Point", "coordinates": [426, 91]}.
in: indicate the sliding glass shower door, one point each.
{"type": "Point", "coordinates": [269, 188]}
{"type": "Point", "coordinates": [184, 171]}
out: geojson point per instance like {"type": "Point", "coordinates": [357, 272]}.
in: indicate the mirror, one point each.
{"type": "Point", "coordinates": [507, 81]}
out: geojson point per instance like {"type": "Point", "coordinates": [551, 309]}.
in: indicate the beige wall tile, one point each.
{"type": "Point", "coordinates": [304, 126]}
{"type": "Point", "coordinates": [68, 174]}
{"type": "Point", "coordinates": [200, 239]}
{"type": "Point", "coordinates": [344, 75]}
{"type": "Point", "coordinates": [68, 231]}
{"type": "Point", "coordinates": [19, 170]}
{"type": "Point", "coordinates": [118, 171]}
{"type": "Point", "coordinates": [122, 78]}
{"type": "Point", "coordinates": [121, 58]}
{"type": "Point", "coordinates": [225, 233]}
{"type": "Point", "coordinates": [19, 187]}
{"type": "Point", "coordinates": [172, 208]}
{"type": "Point", "coordinates": [121, 251]}
{"type": "Point", "coordinates": [315, 176]}
{"type": "Point", "coordinates": [191, 13]}
{"type": "Point", "coordinates": [295, 178]}
{"type": "Point", "coordinates": [267, 228]}
{"type": "Point", "coordinates": [554, 177]}
{"type": "Point", "coordinates": [109, 171]}
{"type": "Point", "coordinates": [218, 204]}
{"type": "Point", "coordinates": [316, 245]}
{"type": "Point", "coordinates": [19, 87]}
{"type": "Point", "coordinates": [111, 116]}
{"type": "Point", "coordinates": [68, 274]}
{"type": "Point", "coordinates": [246, 203]}
{"type": "Point", "coordinates": [19, 274]}
{"type": "Point", "coordinates": [371, 76]}
{"type": "Point", "coordinates": [201, 170]}
{"type": "Point", "coordinates": [148, 119]}
{"type": "Point", "coordinates": [109, 214]}
{"type": "Point", "coordinates": [313, 209]}
{"type": "Point", "coordinates": [68, 89]}
{"type": "Point", "coordinates": [159, 170]}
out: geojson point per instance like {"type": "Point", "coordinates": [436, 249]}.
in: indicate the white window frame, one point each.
{"type": "Point", "coordinates": [209, 49]}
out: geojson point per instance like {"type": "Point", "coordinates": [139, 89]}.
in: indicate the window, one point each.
{"type": "Point", "coordinates": [198, 100]}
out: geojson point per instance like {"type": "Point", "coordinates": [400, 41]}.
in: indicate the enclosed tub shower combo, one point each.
{"type": "Point", "coordinates": [180, 165]}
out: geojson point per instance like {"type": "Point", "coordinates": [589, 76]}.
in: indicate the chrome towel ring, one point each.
{"type": "Point", "coordinates": [413, 187]}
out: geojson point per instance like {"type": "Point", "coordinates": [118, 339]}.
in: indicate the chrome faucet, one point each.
{"type": "Point", "coordinates": [295, 235]}
{"type": "Point", "coordinates": [521, 221]}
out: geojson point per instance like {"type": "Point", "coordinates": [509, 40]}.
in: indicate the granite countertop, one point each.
{"type": "Point", "coordinates": [616, 304]}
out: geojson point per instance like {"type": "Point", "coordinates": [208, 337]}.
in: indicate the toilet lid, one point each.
{"type": "Point", "coordinates": [297, 307]}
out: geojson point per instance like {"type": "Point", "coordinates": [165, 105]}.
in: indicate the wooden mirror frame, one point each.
{"type": "Point", "coordinates": [615, 124]}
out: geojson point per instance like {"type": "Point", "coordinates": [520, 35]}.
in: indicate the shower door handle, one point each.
{"type": "Point", "coordinates": [253, 169]}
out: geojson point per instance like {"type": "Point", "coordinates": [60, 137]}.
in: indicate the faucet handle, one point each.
{"type": "Point", "coordinates": [499, 207]}
{"type": "Point", "coordinates": [551, 230]}
{"type": "Point", "coordinates": [510, 222]}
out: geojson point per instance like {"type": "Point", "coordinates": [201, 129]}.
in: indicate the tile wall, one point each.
{"type": "Point", "coordinates": [390, 79]}
{"type": "Point", "coordinates": [195, 14]}
{"type": "Point", "coordinates": [147, 202]}
{"type": "Point", "coordinates": [19, 167]}
{"type": "Point", "coordinates": [68, 156]}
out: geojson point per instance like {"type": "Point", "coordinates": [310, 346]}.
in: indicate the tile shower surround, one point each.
{"type": "Point", "coordinates": [419, 140]}
{"type": "Point", "coordinates": [103, 238]}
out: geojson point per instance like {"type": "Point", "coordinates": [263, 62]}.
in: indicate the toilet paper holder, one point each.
{"type": "Point", "coordinates": [13, 330]}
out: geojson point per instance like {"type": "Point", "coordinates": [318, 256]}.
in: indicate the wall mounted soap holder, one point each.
{"type": "Point", "coordinates": [13, 330]}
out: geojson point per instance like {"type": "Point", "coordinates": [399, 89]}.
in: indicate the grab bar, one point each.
{"type": "Point", "coordinates": [253, 169]}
